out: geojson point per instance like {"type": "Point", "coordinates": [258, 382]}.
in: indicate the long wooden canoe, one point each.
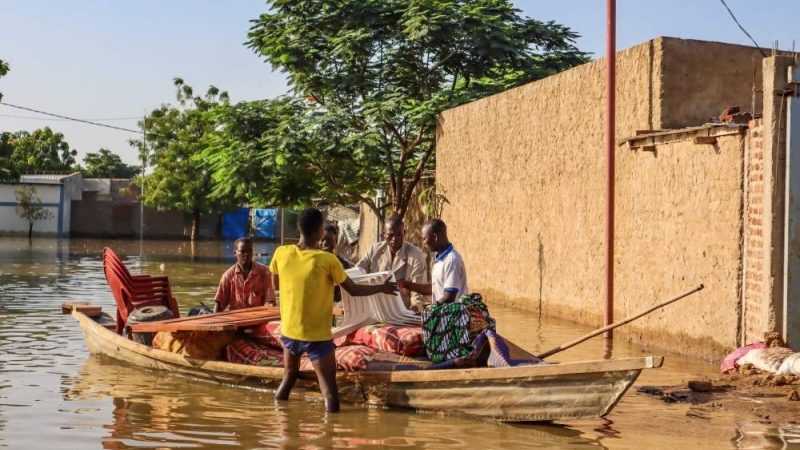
{"type": "Point", "coordinates": [513, 394]}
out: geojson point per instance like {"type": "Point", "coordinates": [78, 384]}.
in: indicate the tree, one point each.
{"type": "Point", "coordinates": [29, 207]}
{"type": "Point", "coordinates": [105, 164]}
{"type": "Point", "coordinates": [4, 68]}
{"type": "Point", "coordinates": [43, 150]}
{"type": "Point", "coordinates": [7, 171]}
{"type": "Point", "coordinates": [175, 134]}
{"type": "Point", "coordinates": [285, 152]}
{"type": "Point", "coordinates": [382, 71]}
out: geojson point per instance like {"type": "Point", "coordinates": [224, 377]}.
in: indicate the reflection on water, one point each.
{"type": "Point", "coordinates": [54, 395]}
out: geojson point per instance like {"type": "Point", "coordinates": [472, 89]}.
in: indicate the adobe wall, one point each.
{"type": "Point", "coordinates": [701, 78]}
{"type": "Point", "coordinates": [524, 172]}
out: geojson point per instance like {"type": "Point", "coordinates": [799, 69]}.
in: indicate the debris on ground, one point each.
{"type": "Point", "coordinates": [700, 386]}
{"type": "Point", "coordinates": [793, 396]}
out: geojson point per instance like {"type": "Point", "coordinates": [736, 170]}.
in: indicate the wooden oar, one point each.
{"type": "Point", "coordinates": [571, 344]}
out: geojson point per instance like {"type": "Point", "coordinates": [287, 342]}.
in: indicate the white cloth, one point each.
{"type": "Point", "coordinates": [448, 274]}
{"type": "Point", "coordinates": [377, 308]}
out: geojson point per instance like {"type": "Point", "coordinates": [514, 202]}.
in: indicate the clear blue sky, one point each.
{"type": "Point", "coordinates": [113, 59]}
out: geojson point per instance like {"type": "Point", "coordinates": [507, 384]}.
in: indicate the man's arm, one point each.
{"type": "Point", "coordinates": [222, 297]}
{"type": "Point", "coordinates": [275, 282]}
{"type": "Point", "coordinates": [363, 290]}
{"type": "Point", "coordinates": [420, 288]}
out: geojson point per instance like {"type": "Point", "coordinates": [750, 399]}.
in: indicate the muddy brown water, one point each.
{"type": "Point", "coordinates": [54, 395]}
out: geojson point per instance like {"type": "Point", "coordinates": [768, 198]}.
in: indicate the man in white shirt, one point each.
{"type": "Point", "coordinates": [448, 274]}
{"type": "Point", "coordinates": [396, 255]}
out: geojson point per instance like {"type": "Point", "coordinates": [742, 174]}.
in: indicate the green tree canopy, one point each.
{"type": "Point", "coordinates": [377, 74]}
{"type": "Point", "coordinates": [106, 164]}
{"type": "Point", "coordinates": [42, 150]}
{"type": "Point", "coordinates": [175, 134]}
{"type": "Point", "coordinates": [3, 71]}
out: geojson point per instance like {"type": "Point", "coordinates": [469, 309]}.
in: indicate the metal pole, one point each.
{"type": "Point", "coordinates": [611, 82]}
{"type": "Point", "coordinates": [141, 186]}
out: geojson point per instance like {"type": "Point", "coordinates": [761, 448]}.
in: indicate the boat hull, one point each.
{"type": "Point", "coordinates": [524, 393]}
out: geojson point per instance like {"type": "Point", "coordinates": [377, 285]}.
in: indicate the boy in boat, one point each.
{"type": "Point", "coordinates": [403, 258]}
{"type": "Point", "coordinates": [306, 275]}
{"type": "Point", "coordinates": [246, 283]}
{"type": "Point", "coordinates": [448, 274]}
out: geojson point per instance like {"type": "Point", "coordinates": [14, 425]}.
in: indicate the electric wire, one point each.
{"type": "Point", "coordinates": [105, 119]}
{"type": "Point", "coordinates": [764, 54]}
{"type": "Point", "coordinates": [74, 119]}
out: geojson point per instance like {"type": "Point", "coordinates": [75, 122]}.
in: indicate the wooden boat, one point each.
{"type": "Point", "coordinates": [544, 392]}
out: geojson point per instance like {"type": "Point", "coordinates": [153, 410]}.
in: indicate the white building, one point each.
{"type": "Point", "coordinates": [55, 192]}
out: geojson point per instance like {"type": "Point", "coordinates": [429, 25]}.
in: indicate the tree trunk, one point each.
{"type": "Point", "coordinates": [30, 231]}
{"type": "Point", "coordinates": [195, 224]}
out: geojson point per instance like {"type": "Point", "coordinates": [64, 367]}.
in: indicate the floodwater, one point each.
{"type": "Point", "coordinates": [54, 395]}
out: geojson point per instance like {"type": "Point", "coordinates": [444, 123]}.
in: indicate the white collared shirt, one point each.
{"type": "Point", "coordinates": [448, 274]}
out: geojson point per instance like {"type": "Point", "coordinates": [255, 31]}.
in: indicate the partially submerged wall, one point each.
{"type": "Point", "coordinates": [524, 172]}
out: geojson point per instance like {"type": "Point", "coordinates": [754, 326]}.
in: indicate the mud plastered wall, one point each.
{"type": "Point", "coordinates": [524, 172]}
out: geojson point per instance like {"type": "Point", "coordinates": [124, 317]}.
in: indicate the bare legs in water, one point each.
{"type": "Point", "coordinates": [325, 368]}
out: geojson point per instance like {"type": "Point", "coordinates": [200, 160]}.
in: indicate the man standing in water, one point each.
{"type": "Point", "coordinates": [246, 283]}
{"type": "Point", "coordinates": [305, 274]}
{"type": "Point", "coordinates": [448, 274]}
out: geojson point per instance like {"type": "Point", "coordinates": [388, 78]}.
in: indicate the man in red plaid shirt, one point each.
{"type": "Point", "coordinates": [247, 283]}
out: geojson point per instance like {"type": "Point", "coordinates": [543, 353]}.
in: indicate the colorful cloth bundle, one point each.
{"type": "Point", "coordinates": [247, 351]}
{"type": "Point", "coordinates": [267, 333]}
{"type": "Point", "coordinates": [402, 340]}
{"type": "Point", "coordinates": [449, 329]}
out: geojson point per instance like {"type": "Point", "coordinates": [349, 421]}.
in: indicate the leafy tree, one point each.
{"type": "Point", "coordinates": [105, 164]}
{"type": "Point", "coordinates": [283, 151]}
{"type": "Point", "coordinates": [3, 71]}
{"type": "Point", "coordinates": [29, 207]}
{"type": "Point", "coordinates": [43, 150]}
{"type": "Point", "coordinates": [7, 171]}
{"type": "Point", "coordinates": [381, 72]}
{"type": "Point", "coordinates": [175, 134]}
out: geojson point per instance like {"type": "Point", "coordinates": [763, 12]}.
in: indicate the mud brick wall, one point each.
{"type": "Point", "coordinates": [524, 172]}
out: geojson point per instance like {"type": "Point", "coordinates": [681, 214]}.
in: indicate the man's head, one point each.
{"type": "Point", "coordinates": [310, 224]}
{"type": "Point", "coordinates": [330, 237]}
{"type": "Point", "coordinates": [394, 232]}
{"type": "Point", "coordinates": [243, 249]}
{"type": "Point", "coordinates": [434, 235]}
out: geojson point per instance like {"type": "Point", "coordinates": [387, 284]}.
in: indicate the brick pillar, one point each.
{"type": "Point", "coordinates": [765, 191]}
{"type": "Point", "coordinates": [756, 294]}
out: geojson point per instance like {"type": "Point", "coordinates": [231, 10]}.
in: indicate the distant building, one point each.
{"type": "Point", "coordinates": [55, 192]}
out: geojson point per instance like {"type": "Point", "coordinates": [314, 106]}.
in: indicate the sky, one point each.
{"type": "Point", "coordinates": [113, 61]}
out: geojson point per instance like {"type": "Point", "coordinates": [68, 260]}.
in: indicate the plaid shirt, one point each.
{"type": "Point", "coordinates": [237, 292]}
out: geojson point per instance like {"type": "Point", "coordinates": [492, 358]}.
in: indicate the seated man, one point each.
{"type": "Point", "coordinates": [448, 274]}
{"type": "Point", "coordinates": [329, 241]}
{"type": "Point", "coordinates": [306, 275]}
{"type": "Point", "coordinates": [246, 283]}
{"type": "Point", "coordinates": [393, 254]}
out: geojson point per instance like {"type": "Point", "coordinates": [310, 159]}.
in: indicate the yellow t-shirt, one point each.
{"type": "Point", "coordinates": [306, 280]}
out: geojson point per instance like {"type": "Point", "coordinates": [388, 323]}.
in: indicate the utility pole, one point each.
{"type": "Point", "coordinates": [611, 82]}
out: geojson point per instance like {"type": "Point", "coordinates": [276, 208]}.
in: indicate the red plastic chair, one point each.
{"type": "Point", "coordinates": [135, 291]}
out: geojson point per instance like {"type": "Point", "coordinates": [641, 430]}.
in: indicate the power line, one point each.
{"type": "Point", "coordinates": [742, 28]}
{"type": "Point", "coordinates": [59, 116]}
{"type": "Point", "coordinates": [109, 119]}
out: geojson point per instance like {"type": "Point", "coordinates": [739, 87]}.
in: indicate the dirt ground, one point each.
{"type": "Point", "coordinates": [765, 397]}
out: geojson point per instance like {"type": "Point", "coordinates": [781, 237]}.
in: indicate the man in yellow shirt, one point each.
{"type": "Point", "coordinates": [305, 275]}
